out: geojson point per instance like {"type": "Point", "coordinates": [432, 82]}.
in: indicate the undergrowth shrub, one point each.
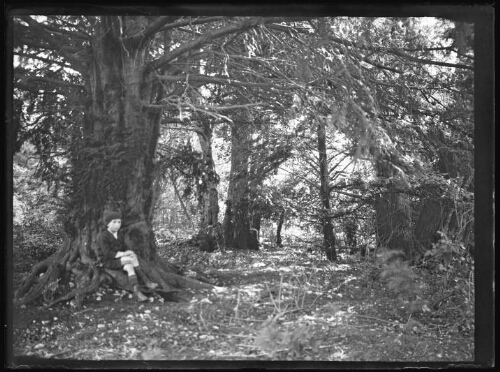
{"type": "Point", "coordinates": [292, 339]}
{"type": "Point", "coordinates": [398, 277]}
{"type": "Point", "coordinates": [450, 272]}
{"type": "Point", "coordinates": [34, 239]}
{"type": "Point", "coordinates": [37, 218]}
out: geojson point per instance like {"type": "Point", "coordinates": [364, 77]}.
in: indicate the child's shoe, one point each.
{"type": "Point", "coordinates": [151, 285]}
{"type": "Point", "coordinates": [139, 295]}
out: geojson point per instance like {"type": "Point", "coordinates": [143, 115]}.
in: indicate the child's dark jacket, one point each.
{"type": "Point", "coordinates": [107, 247]}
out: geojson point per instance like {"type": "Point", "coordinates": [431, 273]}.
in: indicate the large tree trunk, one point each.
{"type": "Point", "coordinates": [237, 217]}
{"type": "Point", "coordinates": [452, 215]}
{"type": "Point", "coordinates": [430, 221]}
{"type": "Point", "coordinates": [112, 169]}
{"type": "Point", "coordinates": [326, 219]}
{"type": "Point", "coordinates": [393, 214]}
{"type": "Point", "coordinates": [255, 230]}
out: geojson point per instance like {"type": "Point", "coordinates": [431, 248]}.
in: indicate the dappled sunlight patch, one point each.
{"type": "Point", "coordinates": [250, 290]}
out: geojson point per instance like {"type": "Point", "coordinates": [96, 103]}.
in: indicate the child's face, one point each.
{"type": "Point", "coordinates": [114, 225]}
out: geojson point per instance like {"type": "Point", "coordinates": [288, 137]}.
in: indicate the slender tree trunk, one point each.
{"type": "Point", "coordinates": [281, 220]}
{"type": "Point", "coordinates": [181, 202]}
{"type": "Point", "coordinates": [210, 195]}
{"type": "Point", "coordinates": [326, 219]}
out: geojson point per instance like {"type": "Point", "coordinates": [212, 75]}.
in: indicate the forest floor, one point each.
{"type": "Point", "coordinates": [281, 305]}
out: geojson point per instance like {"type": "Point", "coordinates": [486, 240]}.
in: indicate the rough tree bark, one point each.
{"type": "Point", "coordinates": [445, 214]}
{"type": "Point", "coordinates": [209, 229]}
{"type": "Point", "coordinates": [326, 219]}
{"type": "Point", "coordinates": [237, 218]}
{"type": "Point", "coordinates": [393, 214]}
{"type": "Point", "coordinates": [255, 230]}
{"type": "Point", "coordinates": [113, 168]}
{"type": "Point", "coordinates": [210, 195]}
{"type": "Point", "coordinates": [430, 221]}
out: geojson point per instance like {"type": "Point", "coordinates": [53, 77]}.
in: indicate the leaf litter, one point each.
{"type": "Point", "coordinates": [320, 312]}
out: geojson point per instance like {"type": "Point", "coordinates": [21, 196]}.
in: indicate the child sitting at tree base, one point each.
{"type": "Point", "coordinates": [113, 254]}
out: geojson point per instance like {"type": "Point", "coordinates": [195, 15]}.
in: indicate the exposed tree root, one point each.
{"type": "Point", "coordinates": [66, 278]}
{"type": "Point", "coordinates": [41, 279]}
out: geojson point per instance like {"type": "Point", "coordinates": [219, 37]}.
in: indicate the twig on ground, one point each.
{"type": "Point", "coordinates": [381, 320]}
{"type": "Point", "coordinates": [328, 346]}
{"type": "Point", "coordinates": [244, 336]}
{"type": "Point", "coordinates": [19, 338]}
{"type": "Point", "coordinates": [83, 311]}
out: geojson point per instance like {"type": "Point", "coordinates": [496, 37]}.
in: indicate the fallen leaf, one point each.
{"type": "Point", "coordinates": [153, 354]}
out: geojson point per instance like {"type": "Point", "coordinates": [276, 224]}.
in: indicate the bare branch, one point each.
{"type": "Point", "coordinates": [222, 80]}
{"type": "Point", "coordinates": [428, 61]}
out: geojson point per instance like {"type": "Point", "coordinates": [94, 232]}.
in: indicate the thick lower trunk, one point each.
{"type": "Point", "coordinates": [228, 227]}
{"type": "Point", "coordinates": [71, 273]}
{"type": "Point", "coordinates": [241, 231]}
{"type": "Point", "coordinates": [393, 222]}
{"type": "Point", "coordinates": [452, 217]}
{"type": "Point", "coordinates": [393, 213]}
{"type": "Point", "coordinates": [237, 217]}
{"type": "Point", "coordinates": [255, 231]}
{"type": "Point", "coordinates": [430, 221]}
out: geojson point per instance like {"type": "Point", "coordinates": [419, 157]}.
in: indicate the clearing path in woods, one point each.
{"type": "Point", "coordinates": [282, 304]}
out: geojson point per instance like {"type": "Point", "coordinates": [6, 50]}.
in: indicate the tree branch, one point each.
{"type": "Point", "coordinates": [222, 80]}
{"type": "Point", "coordinates": [429, 61]}
{"type": "Point", "coordinates": [64, 50]}
{"type": "Point", "coordinates": [152, 29]}
{"type": "Point", "coordinates": [51, 81]}
{"type": "Point", "coordinates": [392, 51]}
{"type": "Point", "coordinates": [187, 22]}
{"type": "Point", "coordinates": [208, 36]}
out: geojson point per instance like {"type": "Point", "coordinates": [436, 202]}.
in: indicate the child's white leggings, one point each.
{"type": "Point", "coordinates": [129, 263]}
